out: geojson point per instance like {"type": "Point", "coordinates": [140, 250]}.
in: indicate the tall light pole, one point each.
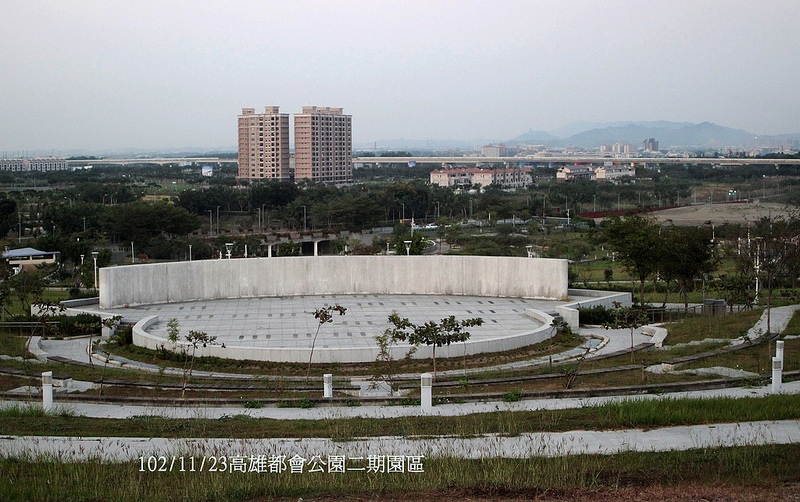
{"type": "Point", "coordinates": [304, 219]}
{"type": "Point", "coordinates": [190, 252]}
{"type": "Point", "coordinates": [94, 257]}
{"type": "Point", "coordinates": [133, 254]}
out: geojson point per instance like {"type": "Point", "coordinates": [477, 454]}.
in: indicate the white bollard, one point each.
{"type": "Point", "coordinates": [47, 391]}
{"type": "Point", "coordinates": [777, 377]}
{"type": "Point", "coordinates": [426, 401]}
{"type": "Point", "coordinates": [779, 350]}
{"type": "Point", "coordinates": [328, 385]}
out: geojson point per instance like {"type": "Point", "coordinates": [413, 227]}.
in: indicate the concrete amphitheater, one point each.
{"type": "Point", "coordinates": [262, 308]}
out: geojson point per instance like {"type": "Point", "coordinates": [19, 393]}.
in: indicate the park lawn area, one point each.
{"type": "Point", "coordinates": [793, 328]}
{"type": "Point", "coordinates": [652, 413]}
{"type": "Point", "coordinates": [757, 359]}
{"type": "Point", "coordinates": [732, 473]}
{"type": "Point", "coordinates": [700, 327]}
{"type": "Point", "coordinates": [15, 307]}
{"type": "Point", "coordinates": [12, 343]}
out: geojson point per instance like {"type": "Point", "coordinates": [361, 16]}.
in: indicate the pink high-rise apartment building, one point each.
{"type": "Point", "coordinates": [323, 145]}
{"type": "Point", "coordinates": [264, 144]}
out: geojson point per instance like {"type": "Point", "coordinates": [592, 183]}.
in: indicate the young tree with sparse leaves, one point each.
{"type": "Point", "coordinates": [323, 315]}
{"type": "Point", "coordinates": [627, 318]}
{"type": "Point", "coordinates": [433, 334]}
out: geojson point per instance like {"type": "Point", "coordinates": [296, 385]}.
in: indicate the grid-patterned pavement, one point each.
{"type": "Point", "coordinates": [289, 322]}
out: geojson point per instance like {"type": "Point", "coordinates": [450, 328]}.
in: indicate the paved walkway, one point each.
{"type": "Point", "coordinates": [473, 447]}
{"type": "Point", "coordinates": [483, 446]}
{"type": "Point", "coordinates": [470, 446]}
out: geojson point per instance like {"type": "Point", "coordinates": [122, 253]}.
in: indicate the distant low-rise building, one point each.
{"type": "Point", "coordinates": [606, 172]}
{"type": "Point", "coordinates": [460, 177]}
{"type": "Point", "coordinates": [34, 164]}
{"type": "Point", "coordinates": [23, 258]}
{"type": "Point", "coordinates": [614, 173]}
{"type": "Point", "coordinates": [575, 173]}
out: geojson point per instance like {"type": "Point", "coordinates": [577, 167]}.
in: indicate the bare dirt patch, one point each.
{"type": "Point", "coordinates": [739, 212]}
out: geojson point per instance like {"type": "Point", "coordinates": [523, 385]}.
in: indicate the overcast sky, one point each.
{"type": "Point", "coordinates": [105, 74]}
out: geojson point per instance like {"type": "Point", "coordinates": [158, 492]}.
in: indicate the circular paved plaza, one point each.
{"type": "Point", "coordinates": [289, 323]}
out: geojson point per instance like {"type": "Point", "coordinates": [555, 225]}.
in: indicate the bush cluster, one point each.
{"type": "Point", "coordinates": [596, 315]}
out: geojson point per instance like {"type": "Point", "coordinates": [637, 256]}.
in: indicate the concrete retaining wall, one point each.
{"type": "Point", "coordinates": [570, 314]}
{"type": "Point", "coordinates": [290, 276]}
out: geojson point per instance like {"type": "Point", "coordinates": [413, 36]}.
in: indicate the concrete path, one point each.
{"type": "Point", "coordinates": [107, 410]}
{"type": "Point", "coordinates": [485, 446]}
{"type": "Point", "coordinates": [204, 451]}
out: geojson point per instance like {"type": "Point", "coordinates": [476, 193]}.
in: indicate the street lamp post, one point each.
{"type": "Point", "coordinates": [94, 257]}
{"type": "Point", "coordinates": [304, 219]}
{"type": "Point", "coordinates": [408, 247]}
{"type": "Point", "coordinates": [133, 254]}
{"type": "Point", "coordinates": [190, 252]}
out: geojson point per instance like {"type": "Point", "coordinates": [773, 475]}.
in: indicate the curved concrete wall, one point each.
{"type": "Point", "coordinates": [290, 276]}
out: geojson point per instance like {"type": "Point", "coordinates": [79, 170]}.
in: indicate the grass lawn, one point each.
{"type": "Point", "coordinates": [701, 327]}
{"type": "Point", "coordinates": [736, 473]}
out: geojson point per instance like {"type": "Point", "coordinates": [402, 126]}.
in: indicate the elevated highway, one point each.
{"type": "Point", "coordinates": [595, 159]}
{"type": "Point", "coordinates": [571, 159]}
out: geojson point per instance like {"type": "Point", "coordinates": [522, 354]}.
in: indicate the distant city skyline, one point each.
{"type": "Point", "coordinates": [98, 76]}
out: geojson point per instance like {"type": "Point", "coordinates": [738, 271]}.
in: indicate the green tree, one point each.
{"type": "Point", "coordinates": [433, 334]}
{"type": "Point", "coordinates": [385, 361]}
{"type": "Point", "coordinates": [197, 339]}
{"type": "Point", "coordinates": [777, 254]}
{"type": "Point", "coordinates": [635, 241]}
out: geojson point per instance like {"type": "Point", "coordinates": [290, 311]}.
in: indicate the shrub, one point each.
{"type": "Point", "coordinates": [597, 315]}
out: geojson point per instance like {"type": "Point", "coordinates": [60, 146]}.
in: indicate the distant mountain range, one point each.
{"type": "Point", "coordinates": [681, 135]}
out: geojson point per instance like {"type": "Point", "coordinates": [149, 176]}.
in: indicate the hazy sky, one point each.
{"type": "Point", "coordinates": [157, 74]}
